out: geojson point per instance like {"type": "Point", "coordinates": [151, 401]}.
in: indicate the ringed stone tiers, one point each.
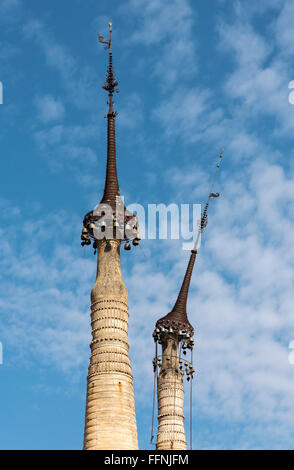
{"type": "Point", "coordinates": [110, 421]}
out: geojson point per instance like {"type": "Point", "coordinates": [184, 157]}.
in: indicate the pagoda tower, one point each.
{"type": "Point", "coordinates": [110, 421]}
{"type": "Point", "coordinates": [175, 334]}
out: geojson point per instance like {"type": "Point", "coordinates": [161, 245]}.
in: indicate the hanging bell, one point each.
{"type": "Point", "coordinates": [127, 246]}
{"type": "Point", "coordinates": [88, 242]}
{"type": "Point", "coordinates": [180, 361]}
{"type": "Point", "coordinates": [171, 330]}
{"type": "Point", "coordinates": [135, 229]}
{"type": "Point", "coordinates": [157, 330]}
{"type": "Point", "coordinates": [138, 236]}
{"type": "Point", "coordinates": [135, 242]}
{"type": "Point", "coordinates": [85, 230]}
{"type": "Point", "coordinates": [116, 224]}
{"type": "Point", "coordinates": [128, 227]}
{"type": "Point", "coordinates": [91, 226]}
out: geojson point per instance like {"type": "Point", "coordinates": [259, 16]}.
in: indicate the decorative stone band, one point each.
{"type": "Point", "coordinates": [170, 391]}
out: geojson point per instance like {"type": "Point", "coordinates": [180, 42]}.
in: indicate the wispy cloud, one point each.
{"type": "Point", "coordinates": [166, 28]}
{"type": "Point", "coordinates": [49, 108]}
{"type": "Point", "coordinates": [78, 81]}
{"type": "Point", "coordinates": [8, 7]}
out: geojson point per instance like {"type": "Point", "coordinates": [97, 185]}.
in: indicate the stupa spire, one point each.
{"type": "Point", "coordinates": [110, 420]}
{"type": "Point", "coordinates": [175, 334]}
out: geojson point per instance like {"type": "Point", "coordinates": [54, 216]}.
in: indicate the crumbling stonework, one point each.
{"type": "Point", "coordinates": [171, 430]}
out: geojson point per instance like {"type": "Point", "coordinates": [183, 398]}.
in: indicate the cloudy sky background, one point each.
{"type": "Point", "coordinates": [194, 77]}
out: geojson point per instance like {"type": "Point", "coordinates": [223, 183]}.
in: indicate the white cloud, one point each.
{"type": "Point", "coordinates": [70, 146]}
{"type": "Point", "coordinates": [7, 209]}
{"type": "Point", "coordinates": [260, 80]}
{"type": "Point", "coordinates": [49, 108]}
{"type": "Point", "coordinates": [131, 111]}
{"type": "Point", "coordinates": [7, 6]}
{"type": "Point", "coordinates": [39, 310]}
{"type": "Point", "coordinates": [284, 29]}
{"type": "Point", "coordinates": [10, 12]}
{"type": "Point", "coordinates": [182, 114]}
{"type": "Point", "coordinates": [79, 81]}
{"type": "Point", "coordinates": [166, 27]}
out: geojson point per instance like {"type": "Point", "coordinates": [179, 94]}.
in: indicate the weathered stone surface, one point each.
{"type": "Point", "coordinates": [110, 421]}
{"type": "Point", "coordinates": [171, 430]}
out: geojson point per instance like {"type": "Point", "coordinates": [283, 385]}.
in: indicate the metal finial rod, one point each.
{"type": "Point", "coordinates": [203, 220]}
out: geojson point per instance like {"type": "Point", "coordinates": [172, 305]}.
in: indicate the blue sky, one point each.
{"type": "Point", "coordinates": [194, 77]}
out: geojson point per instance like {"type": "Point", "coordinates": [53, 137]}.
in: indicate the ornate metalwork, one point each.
{"type": "Point", "coordinates": [110, 219]}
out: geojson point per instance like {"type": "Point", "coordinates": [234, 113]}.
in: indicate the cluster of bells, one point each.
{"type": "Point", "coordinates": [185, 337]}
{"type": "Point", "coordinates": [189, 369]}
{"type": "Point", "coordinates": [124, 231]}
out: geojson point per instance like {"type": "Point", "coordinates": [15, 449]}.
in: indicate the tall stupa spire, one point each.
{"type": "Point", "coordinates": [110, 421]}
{"type": "Point", "coordinates": [175, 335]}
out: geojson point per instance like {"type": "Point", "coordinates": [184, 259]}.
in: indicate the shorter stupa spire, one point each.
{"type": "Point", "coordinates": [175, 334]}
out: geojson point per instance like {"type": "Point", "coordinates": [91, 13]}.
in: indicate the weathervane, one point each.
{"type": "Point", "coordinates": [106, 41]}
